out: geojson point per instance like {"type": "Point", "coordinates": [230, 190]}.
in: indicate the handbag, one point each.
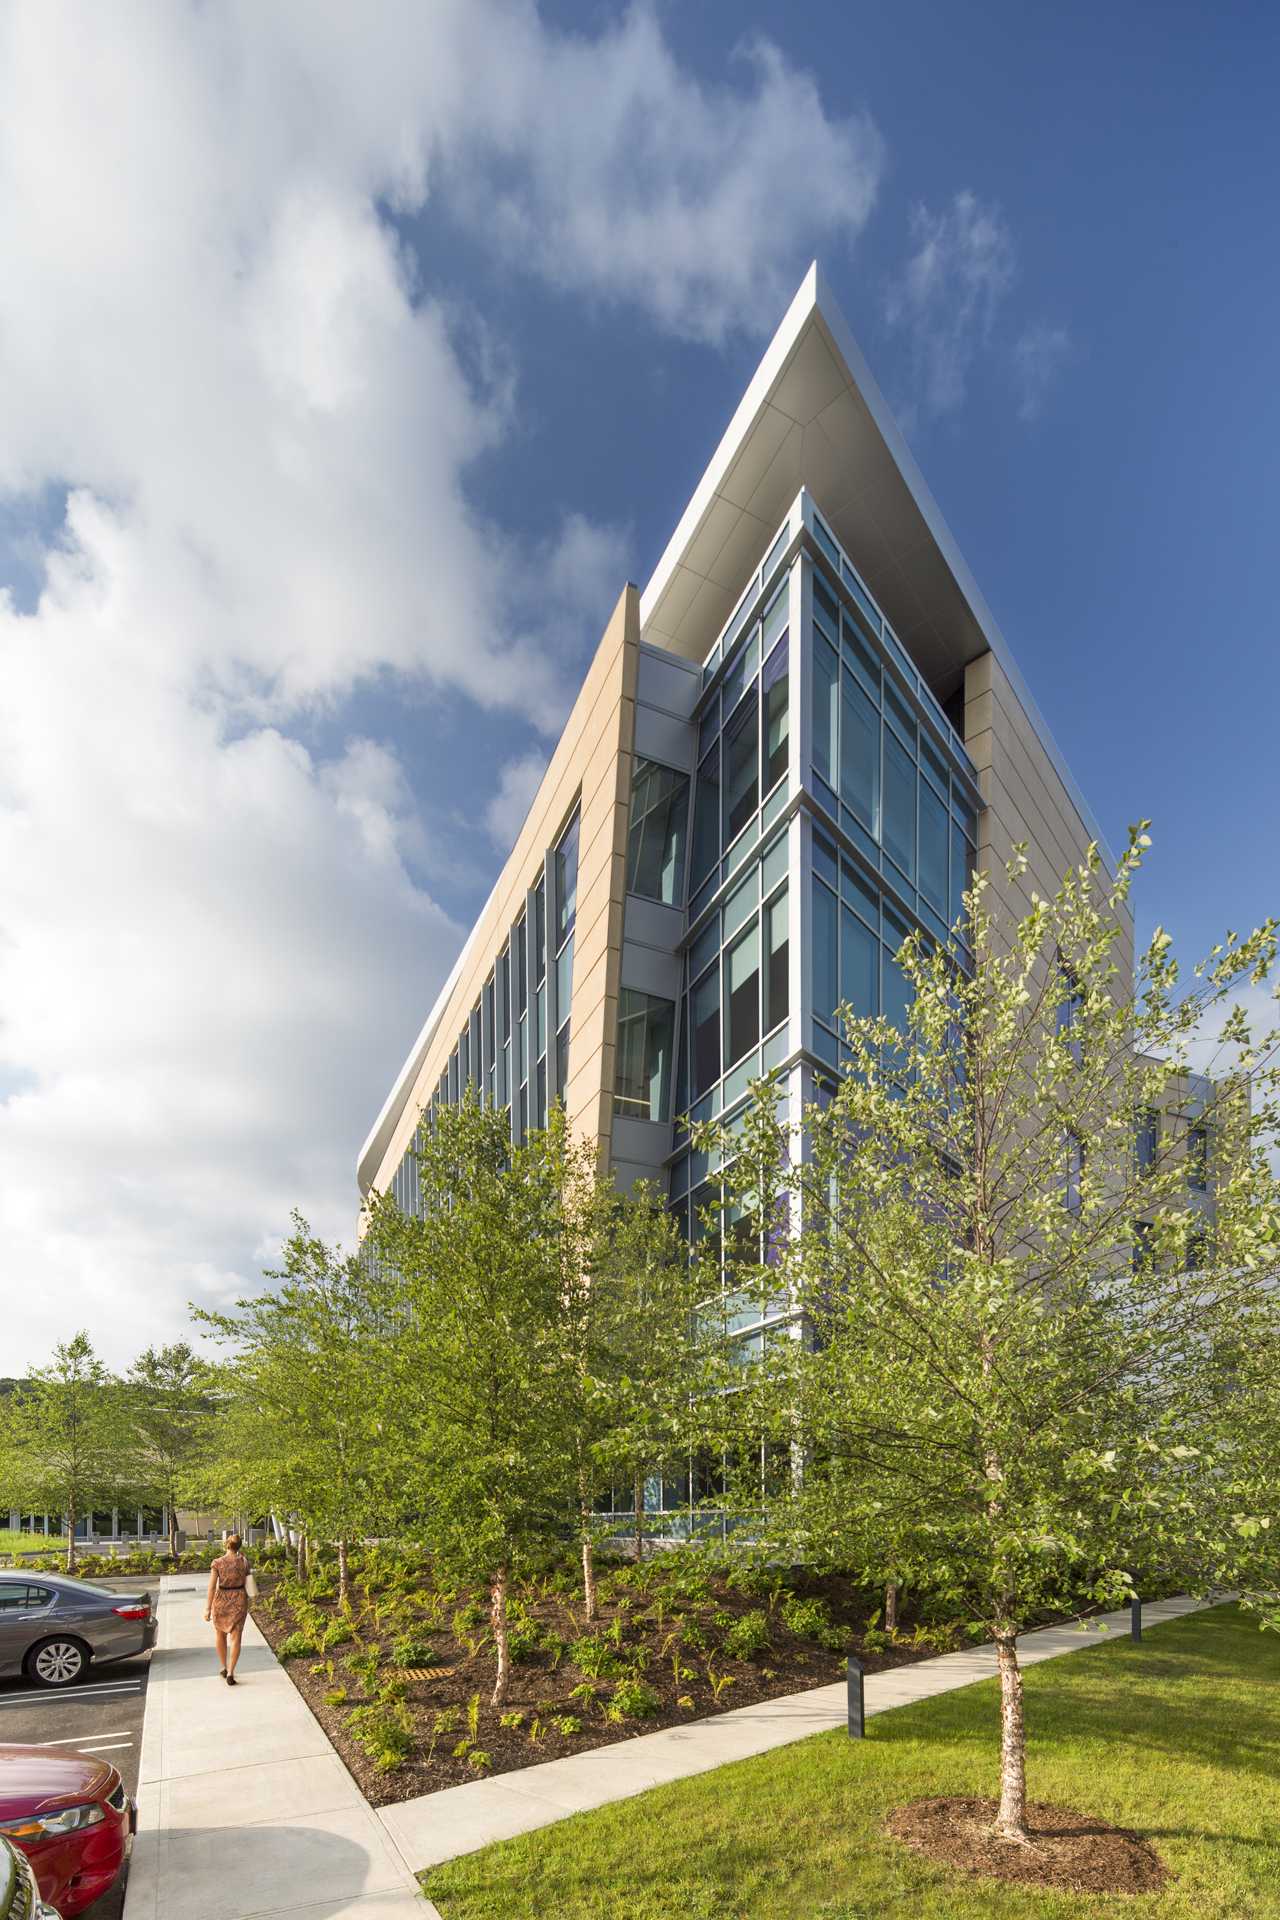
{"type": "Point", "coordinates": [250, 1586]}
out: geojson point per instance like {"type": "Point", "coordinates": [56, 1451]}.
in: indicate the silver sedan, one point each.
{"type": "Point", "coordinates": [52, 1626]}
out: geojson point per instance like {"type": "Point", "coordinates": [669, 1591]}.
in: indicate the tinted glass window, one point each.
{"type": "Point", "coordinates": [742, 758]}
{"type": "Point", "coordinates": [860, 755]}
{"type": "Point", "coordinates": [826, 683]}
{"type": "Point", "coordinates": [659, 817]}
{"type": "Point", "coordinates": [18, 1597]}
{"type": "Point", "coordinates": [899, 836]}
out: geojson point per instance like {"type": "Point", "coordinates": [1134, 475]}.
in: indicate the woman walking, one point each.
{"type": "Point", "coordinates": [227, 1604]}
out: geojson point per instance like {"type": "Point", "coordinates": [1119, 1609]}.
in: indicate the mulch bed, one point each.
{"type": "Point", "coordinates": [1068, 1850]}
{"type": "Point", "coordinates": [645, 1631]}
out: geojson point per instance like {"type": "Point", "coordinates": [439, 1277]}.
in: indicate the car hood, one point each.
{"type": "Point", "coordinates": [40, 1779]}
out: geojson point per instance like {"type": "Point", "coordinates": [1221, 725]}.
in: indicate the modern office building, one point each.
{"type": "Point", "coordinates": [791, 747]}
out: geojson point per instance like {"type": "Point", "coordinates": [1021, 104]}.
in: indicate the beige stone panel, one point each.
{"type": "Point", "coordinates": [591, 767]}
{"type": "Point", "coordinates": [1026, 798]}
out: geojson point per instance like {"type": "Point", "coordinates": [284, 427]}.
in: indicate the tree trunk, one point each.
{"type": "Point", "coordinates": [1011, 1821]}
{"type": "Point", "coordinates": [71, 1536]}
{"type": "Point", "coordinates": [302, 1547]}
{"type": "Point", "coordinates": [498, 1620]}
{"type": "Point", "coordinates": [588, 1563]}
{"type": "Point", "coordinates": [891, 1609]}
{"type": "Point", "coordinates": [639, 1521]}
{"type": "Point", "coordinates": [342, 1571]}
{"type": "Point", "coordinates": [173, 1532]}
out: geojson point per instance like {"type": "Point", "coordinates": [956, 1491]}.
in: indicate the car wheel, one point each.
{"type": "Point", "coordinates": [57, 1663]}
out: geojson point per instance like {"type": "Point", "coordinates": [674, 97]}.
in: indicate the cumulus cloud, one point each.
{"type": "Point", "coordinates": [1036, 359]}
{"type": "Point", "coordinates": [235, 436]}
{"type": "Point", "coordinates": [517, 783]}
{"type": "Point", "coordinates": [946, 299]}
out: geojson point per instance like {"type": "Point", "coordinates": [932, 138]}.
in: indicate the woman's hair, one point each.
{"type": "Point", "coordinates": [233, 1543]}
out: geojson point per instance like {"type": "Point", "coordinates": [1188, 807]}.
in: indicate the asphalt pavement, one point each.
{"type": "Point", "coordinates": [102, 1715]}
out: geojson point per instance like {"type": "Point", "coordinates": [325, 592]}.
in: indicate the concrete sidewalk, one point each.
{"type": "Point", "coordinates": [439, 1826]}
{"type": "Point", "coordinates": [244, 1807]}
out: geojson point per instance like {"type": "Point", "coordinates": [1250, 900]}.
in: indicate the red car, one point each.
{"type": "Point", "coordinates": [70, 1815]}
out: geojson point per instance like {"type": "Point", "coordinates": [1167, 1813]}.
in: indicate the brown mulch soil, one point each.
{"type": "Point", "coordinates": [1069, 1850]}
{"type": "Point", "coordinates": [650, 1631]}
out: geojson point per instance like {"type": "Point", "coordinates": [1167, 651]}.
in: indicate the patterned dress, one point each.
{"type": "Point", "coordinates": [230, 1601]}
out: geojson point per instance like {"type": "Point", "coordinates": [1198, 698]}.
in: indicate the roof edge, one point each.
{"type": "Point", "coordinates": [375, 1147]}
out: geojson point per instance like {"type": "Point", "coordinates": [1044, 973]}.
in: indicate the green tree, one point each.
{"type": "Point", "coordinates": [306, 1427]}
{"type": "Point", "coordinates": [661, 1347]}
{"type": "Point", "coordinates": [68, 1446]}
{"type": "Point", "coordinates": [173, 1416]}
{"type": "Point", "coordinates": [1031, 1366]}
{"type": "Point", "coordinates": [474, 1288]}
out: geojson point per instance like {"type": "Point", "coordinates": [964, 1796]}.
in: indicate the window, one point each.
{"type": "Point", "coordinates": [1073, 1174]}
{"type": "Point", "coordinates": [777, 714]}
{"type": "Point", "coordinates": [567, 882]}
{"type": "Point", "coordinates": [642, 1080]}
{"type": "Point", "coordinates": [860, 755]}
{"type": "Point", "coordinates": [704, 1018]}
{"type": "Point", "coordinates": [933, 849]}
{"type": "Point", "coordinates": [963, 860]}
{"type": "Point", "coordinates": [742, 996]}
{"type": "Point", "coordinates": [777, 949]}
{"type": "Point", "coordinates": [1146, 1146]}
{"type": "Point", "coordinates": [859, 966]}
{"type": "Point", "coordinates": [1198, 1159]}
{"type": "Point", "coordinates": [826, 685]}
{"type": "Point", "coordinates": [741, 766]}
{"type": "Point", "coordinates": [1068, 1015]}
{"type": "Point", "coordinates": [659, 825]}
{"type": "Point", "coordinates": [1143, 1246]}
{"type": "Point", "coordinates": [899, 838]}
{"type": "Point", "coordinates": [826, 992]}
{"type": "Point", "coordinates": [706, 819]}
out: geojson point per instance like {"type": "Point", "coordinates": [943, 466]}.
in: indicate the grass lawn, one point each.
{"type": "Point", "coordinates": [1178, 1739]}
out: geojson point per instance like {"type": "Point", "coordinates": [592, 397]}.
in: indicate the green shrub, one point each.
{"type": "Point", "coordinates": [467, 1619]}
{"type": "Point", "coordinates": [694, 1637]}
{"type": "Point", "coordinates": [385, 1732]}
{"type": "Point", "coordinates": [632, 1700]}
{"type": "Point", "coordinates": [295, 1647]}
{"type": "Point", "coordinates": [567, 1723]}
{"type": "Point", "coordinates": [748, 1636]}
{"type": "Point", "coordinates": [336, 1634]}
{"type": "Point", "coordinates": [412, 1652]}
{"type": "Point", "coordinates": [594, 1658]}
{"type": "Point", "coordinates": [811, 1620]}
{"type": "Point", "coordinates": [523, 1642]}
{"type": "Point", "coordinates": [365, 1665]}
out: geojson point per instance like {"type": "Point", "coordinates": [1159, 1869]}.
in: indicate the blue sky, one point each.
{"type": "Point", "coordinates": [374, 349]}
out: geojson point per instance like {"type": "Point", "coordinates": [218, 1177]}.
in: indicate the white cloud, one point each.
{"type": "Point", "coordinates": [946, 299]}
{"type": "Point", "coordinates": [213, 950]}
{"type": "Point", "coordinates": [1036, 359]}
{"type": "Point", "coordinates": [614, 174]}
{"type": "Point", "coordinates": [517, 783]}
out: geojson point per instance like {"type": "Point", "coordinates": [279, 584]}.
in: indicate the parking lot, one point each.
{"type": "Point", "coordinates": [101, 1715]}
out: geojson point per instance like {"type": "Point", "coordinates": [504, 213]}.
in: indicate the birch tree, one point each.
{"type": "Point", "coordinates": [168, 1406]}
{"type": "Point", "coordinates": [485, 1374]}
{"type": "Point", "coordinates": [1034, 1266]}
{"type": "Point", "coordinates": [308, 1426]}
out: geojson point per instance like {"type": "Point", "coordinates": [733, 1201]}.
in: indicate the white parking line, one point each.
{"type": "Point", "coordinates": [121, 1733]}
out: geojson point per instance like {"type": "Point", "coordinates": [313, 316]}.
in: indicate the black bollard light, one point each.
{"type": "Point", "coordinates": [857, 1704]}
{"type": "Point", "coordinates": [1135, 1620]}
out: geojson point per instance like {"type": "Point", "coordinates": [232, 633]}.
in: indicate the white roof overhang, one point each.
{"type": "Point", "coordinates": [814, 417]}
